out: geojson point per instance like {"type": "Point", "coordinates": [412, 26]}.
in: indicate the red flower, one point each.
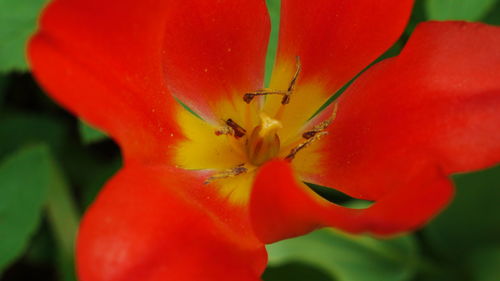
{"type": "Point", "coordinates": [196, 199]}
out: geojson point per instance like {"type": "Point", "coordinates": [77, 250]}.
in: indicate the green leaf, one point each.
{"type": "Point", "coordinates": [101, 172]}
{"type": "Point", "coordinates": [493, 17]}
{"type": "Point", "coordinates": [186, 107]}
{"type": "Point", "coordinates": [338, 197]}
{"type": "Point", "coordinates": [418, 15]}
{"type": "Point", "coordinates": [89, 134]}
{"type": "Point", "coordinates": [485, 264]}
{"type": "Point", "coordinates": [41, 248]}
{"type": "Point", "coordinates": [18, 20]}
{"type": "Point", "coordinates": [64, 218]}
{"type": "Point", "coordinates": [472, 220]}
{"type": "Point", "coordinates": [274, 12]}
{"type": "Point", "coordinates": [471, 10]}
{"type": "Point", "coordinates": [3, 86]}
{"type": "Point", "coordinates": [350, 257]}
{"type": "Point", "coordinates": [24, 180]}
{"type": "Point", "coordinates": [17, 130]}
{"type": "Point", "coordinates": [295, 271]}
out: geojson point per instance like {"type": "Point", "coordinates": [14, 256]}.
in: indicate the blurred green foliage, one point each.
{"type": "Point", "coordinates": [472, 221]}
{"type": "Point", "coordinates": [25, 178]}
{"type": "Point", "coordinates": [17, 22]}
{"type": "Point", "coordinates": [274, 12]}
{"type": "Point", "coordinates": [350, 257]}
{"type": "Point", "coordinates": [52, 166]}
{"type": "Point", "coordinates": [89, 134]}
{"type": "Point", "coordinates": [470, 10]}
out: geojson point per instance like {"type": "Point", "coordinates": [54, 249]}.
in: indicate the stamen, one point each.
{"type": "Point", "coordinates": [321, 126]}
{"type": "Point", "coordinates": [238, 130]}
{"type": "Point", "coordinates": [226, 130]}
{"type": "Point", "coordinates": [229, 173]}
{"type": "Point", "coordinates": [286, 99]}
{"type": "Point", "coordinates": [305, 144]}
{"type": "Point", "coordinates": [248, 97]}
{"type": "Point", "coordinates": [231, 128]}
{"type": "Point", "coordinates": [316, 129]}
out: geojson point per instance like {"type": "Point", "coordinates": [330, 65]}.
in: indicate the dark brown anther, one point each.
{"type": "Point", "coordinates": [316, 129]}
{"type": "Point", "coordinates": [248, 97]}
{"type": "Point", "coordinates": [309, 134]}
{"type": "Point", "coordinates": [237, 129]}
{"type": "Point", "coordinates": [290, 157]}
{"type": "Point", "coordinates": [309, 141]}
{"type": "Point", "coordinates": [285, 99]}
{"type": "Point", "coordinates": [240, 169]}
{"type": "Point", "coordinates": [321, 126]}
{"type": "Point", "coordinates": [291, 87]}
{"type": "Point", "coordinates": [229, 173]}
{"type": "Point", "coordinates": [231, 128]}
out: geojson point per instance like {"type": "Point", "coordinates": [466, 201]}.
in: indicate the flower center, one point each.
{"type": "Point", "coordinates": [255, 128]}
{"type": "Point", "coordinates": [264, 142]}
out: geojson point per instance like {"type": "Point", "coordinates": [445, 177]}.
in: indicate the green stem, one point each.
{"type": "Point", "coordinates": [64, 219]}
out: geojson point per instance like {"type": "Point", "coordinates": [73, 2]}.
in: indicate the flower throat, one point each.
{"type": "Point", "coordinates": [262, 143]}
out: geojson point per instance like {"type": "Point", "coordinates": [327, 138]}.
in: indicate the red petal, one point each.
{"type": "Point", "coordinates": [282, 207]}
{"type": "Point", "coordinates": [438, 103]}
{"type": "Point", "coordinates": [215, 50]}
{"type": "Point", "coordinates": [144, 226]}
{"type": "Point", "coordinates": [401, 130]}
{"type": "Point", "coordinates": [335, 40]}
{"type": "Point", "coordinates": [103, 62]}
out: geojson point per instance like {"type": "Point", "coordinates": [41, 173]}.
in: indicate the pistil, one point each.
{"type": "Point", "coordinates": [264, 143]}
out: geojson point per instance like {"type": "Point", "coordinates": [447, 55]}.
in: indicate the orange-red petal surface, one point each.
{"type": "Point", "coordinates": [113, 65]}
{"type": "Point", "coordinates": [438, 102]}
{"type": "Point", "coordinates": [145, 225]}
{"type": "Point", "coordinates": [214, 51]}
{"type": "Point", "coordinates": [102, 61]}
{"type": "Point", "coordinates": [335, 40]}
{"type": "Point", "coordinates": [401, 130]}
{"type": "Point", "coordinates": [283, 207]}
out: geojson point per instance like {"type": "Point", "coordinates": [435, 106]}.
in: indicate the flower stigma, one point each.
{"type": "Point", "coordinates": [264, 142]}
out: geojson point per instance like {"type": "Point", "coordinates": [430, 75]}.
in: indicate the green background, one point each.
{"type": "Point", "coordinates": [52, 166]}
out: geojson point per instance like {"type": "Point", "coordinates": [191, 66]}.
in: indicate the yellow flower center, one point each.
{"type": "Point", "coordinates": [264, 142]}
{"type": "Point", "coordinates": [248, 136]}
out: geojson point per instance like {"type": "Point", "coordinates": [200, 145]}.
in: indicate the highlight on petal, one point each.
{"type": "Point", "coordinates": [334, 40]}
{"type": "Point", "coordinates": [401, 129]}
{"type": "Point", "coordinates": [146, 226]}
